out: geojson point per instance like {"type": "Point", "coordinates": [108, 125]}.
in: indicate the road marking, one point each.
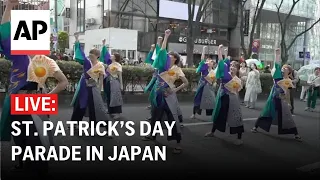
{"type": "Point", "coordinates": [309, 167]}
{"type": "Point", "coordinates": [206, 123]}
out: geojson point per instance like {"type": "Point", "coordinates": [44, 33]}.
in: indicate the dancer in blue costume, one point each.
{"type": "Point", "coordinates": [277, 110]}
{"type": "Point", "coordinates": [227, 109]}
{"type": "Point", "coordinates": [163, 95]}
{"type": "Point", "coordinates": [205, 94]}
{"type": "Point", "coordinates": [113, 85]}
{"type": "Point", "coordinates": [88, 94]}
{"type": "Point", "coordinates": [23, 80]}
{"type": "Point", "coordinates": [149, 60]}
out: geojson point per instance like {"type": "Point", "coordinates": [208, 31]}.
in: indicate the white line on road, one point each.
{"type": "Point", "coordinates": [309, 167]}
{"type": "Point", "coordinates": [206, 123]}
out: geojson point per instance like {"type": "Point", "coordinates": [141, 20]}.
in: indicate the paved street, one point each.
{"type": "Point", "coordinates": [260, 152]}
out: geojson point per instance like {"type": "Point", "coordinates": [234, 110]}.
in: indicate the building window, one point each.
{"type": "Point", "coordinates": [81, 15]}
{"type": "Point", "coordinates": [66, 25]}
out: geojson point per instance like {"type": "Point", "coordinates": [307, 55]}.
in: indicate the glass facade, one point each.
{"type": "Point", "coordinates": [314, 36]}
{"type": "Point", "coordinates": [141, 15]}
{"type": "Point", "coordinates": [304, 8]}
{"type": "Point", "coordinates": [270, 35]}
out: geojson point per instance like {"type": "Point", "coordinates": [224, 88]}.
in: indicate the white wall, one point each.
{"type": "Point", "coordinates": [93, 10]}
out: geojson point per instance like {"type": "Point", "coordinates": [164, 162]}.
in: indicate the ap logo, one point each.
{"type": "Point", "coordinates": [30, 32]}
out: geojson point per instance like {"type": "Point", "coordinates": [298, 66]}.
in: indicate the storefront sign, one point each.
{"type": "Point", "coordinates": [267, 47]}
{"type": "Point", "coordinates": [199, 41]}
{"type": "Point", "coordinates": [196, 51]}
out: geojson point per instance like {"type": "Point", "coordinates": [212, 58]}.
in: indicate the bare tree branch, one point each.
{"type": "Point", "coordinates": [256, 18]}
{"type": "Point", "coordinates": [278, 14]}
{"type": "Point", "coordinates": [122, 8]}
{"type": "Point", "coordinates": [143, 12]}
{"type": "Point", "coordinates": [147, 1]}
{"type": "Point", "coordinates": [300, 34]}
{"type": "Point", "coordinates": [210, 12]}
{"type": "Point", "coordinates": [290, 12]}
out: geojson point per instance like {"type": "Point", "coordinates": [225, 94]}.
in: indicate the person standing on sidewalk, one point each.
{"type": "Point", "coordinates": [295, 79]}
{"type": "Point", "coordinates": [313, 91]}
{"type": "Point", "coordinates": [25, 79]}
{"type": "Point", "coordinates": [253, 87]}
{"type": "Point", "coordinates": [304, 91]}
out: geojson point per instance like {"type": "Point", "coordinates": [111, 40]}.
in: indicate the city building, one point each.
{"type": "Point", "coordinates": [314, 44]}
{"type": "Point", "coordinates": [124, 22]}
{"type": "Point", "coordinates": [27, 5]}
{"type": "Point", "coordinates": [60, 16]}
{"type": "Point", "coordinates": [268, 29]}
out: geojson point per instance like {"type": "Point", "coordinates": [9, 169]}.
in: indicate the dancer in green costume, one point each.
{"type": "Point", "coordinates": [24, 80]}
{"type": "Point", "coordinates": [164, 98]}
{"type": "Point", "coordinates": [205, 94]}
{"type": "Point", "coordinates": [277, 109]}
{"type": "Point", "coordinates": [149, 60]}
{"type": "Point", "coordinates": [227, 109]}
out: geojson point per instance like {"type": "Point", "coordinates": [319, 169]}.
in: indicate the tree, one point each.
{"type": "Point", "coordinates": [255, 19]}
{"type": "Point", "coordinates": [194, 26]}
{"type": "Point", "coordinates": [148, 4]}
{"type": "Point", "coordinates": [284, 22]}
{"type": "Point", "coordinates": [63, 41]}
{"type": "Point", "coordinates": [139, 6]}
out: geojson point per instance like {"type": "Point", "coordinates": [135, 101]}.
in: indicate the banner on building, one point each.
{"type": "Point", "coordinates": [256, 46]}
{"type": "Point", "coordinates": [255, 49]}
{"type": "Point", "coordinates": [246, 22]}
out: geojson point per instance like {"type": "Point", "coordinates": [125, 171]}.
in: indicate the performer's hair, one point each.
{"type": "Point", "coordinates": [176, 56]}
{"type": "Point", "coordinates": [317, 68]}
{"type": "Point", "coordinates": [255, 66]}
{"type": "Point", "coordinates": [237, 64]}
{"type": "Point", "coordinates": [117, 57]}
{"type": "Point", "coordinates": [244, 63]}
{"type": "Point", "coordinates": [95, 52]}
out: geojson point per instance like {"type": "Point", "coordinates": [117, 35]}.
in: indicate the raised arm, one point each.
{"type": "Point", "coordinates": [105, 55]}
{"type": "Point", "coordinates": [159, 41]}
{"type": "Point", "coordinates": [225, 53]}
{"type": "Point", "coordinates": [220, 52]}
{"type": "Point", "coordinates": [202, 65]}
{"type": "Point", "coordinates": [221, 67]}
{"type": "Point", "coordinates": [79, 54]}
{"type": "Point", "coordinates": [165, 40]}
{"type": "Point", "coordinates": [149, 56]}
{"type": "Point", "coordinates": [162, 58]}
{"type": "Point", "coordinates": [203, 55]}
{"type": "Point", "coordinates": [276, 71]}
